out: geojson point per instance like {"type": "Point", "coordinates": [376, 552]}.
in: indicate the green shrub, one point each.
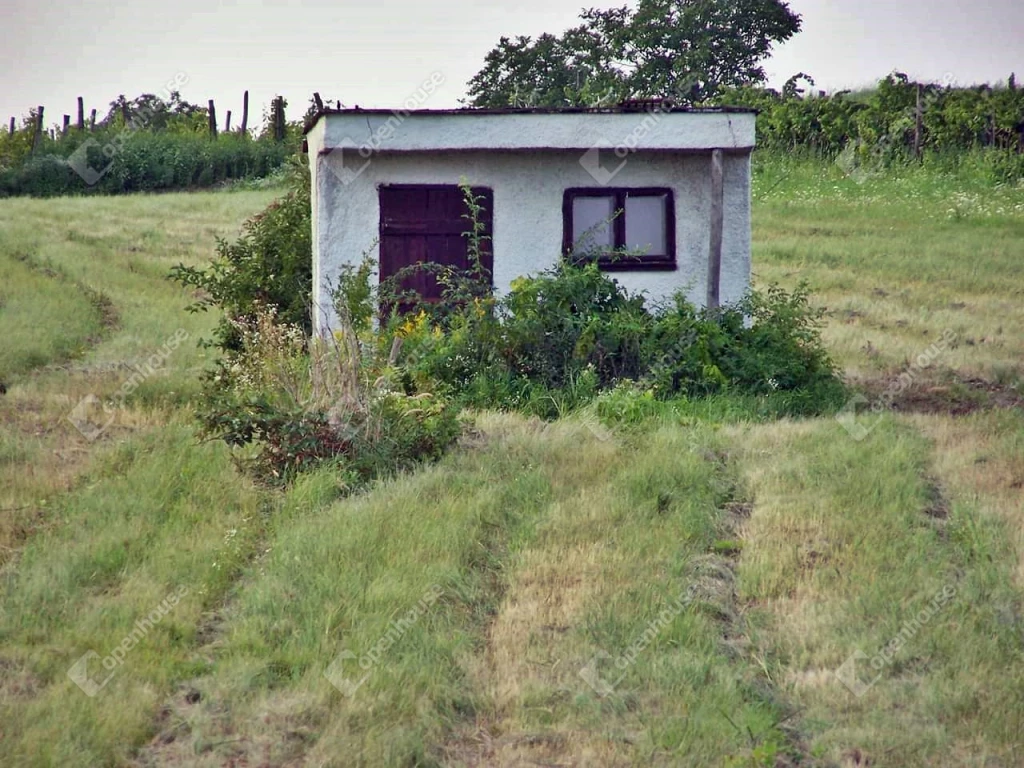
{"type": "Point", "coordinates": [356, 297]}
{"type": "Point", "coordinates": [287, 405]}
{"type": "Point", "coordinates": [560, 337]}
{"type": "Point", "coordinates": [269, 266]}
{"type": "Point", "coordinates": [39, 176]}
{"type": "Point", "coordinates": [570, 318]}
{"type": "Point", "coordinates": [378, 399]}
{"type": "Point", "coordinates": [769, 341]}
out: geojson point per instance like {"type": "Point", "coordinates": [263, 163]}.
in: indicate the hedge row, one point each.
{"type": "Point", "coordinates": [114, 163]}
{"type": "Point", "coordinates": [885, 118]}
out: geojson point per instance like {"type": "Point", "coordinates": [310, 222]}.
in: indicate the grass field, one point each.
{"type": "Point", "coordinates": [704, 588]}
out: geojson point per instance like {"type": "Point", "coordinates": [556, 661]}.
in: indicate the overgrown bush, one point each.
{"type": "Point", "coordinates": [287, 403]}
{"type": "Point", "coordinates": [284, 402]}
{"type": "Point", "coordinates": [384, 392]}
{"type": "Point", "coordinates": [270, 265]}
{"type": "Point", "coordinates": [560, 337]}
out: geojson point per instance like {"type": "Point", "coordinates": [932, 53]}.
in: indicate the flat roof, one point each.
{"type": "Point", "coordinates": [637, 106]}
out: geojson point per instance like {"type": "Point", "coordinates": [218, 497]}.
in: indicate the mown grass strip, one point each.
{"type": "Point", "coordinates": [549, 547]}
{"type": "Point", "coordinates": [619, 641]}
{"type": "Point", "coordinates": [892, 620]}
{"type": "Point", "coordinates": [44, 317]}
{"type": "Point", "coordinates": [158, 533]}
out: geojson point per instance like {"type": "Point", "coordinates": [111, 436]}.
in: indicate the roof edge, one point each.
{"type": "Point", "coordinates": [628, 109]}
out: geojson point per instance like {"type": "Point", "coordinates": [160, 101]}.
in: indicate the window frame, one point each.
{"type": "Point", "coordinates": [609, 262]}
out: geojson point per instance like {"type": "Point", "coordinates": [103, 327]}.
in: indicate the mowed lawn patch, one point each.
{"type": "Point", "coordinates": [891, 614]}
{"type": "Point", "coordinates": [85, 306]}
{"type": "Point", "coordinates": [897, 260]}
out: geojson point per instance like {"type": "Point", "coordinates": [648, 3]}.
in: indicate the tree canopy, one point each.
{"type": "Point", "coordinates": [686, 50]}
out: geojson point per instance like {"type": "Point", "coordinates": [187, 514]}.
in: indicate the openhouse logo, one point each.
{"type": "Point", "coordinates": [79, 671]}
{"type": "Point", "coordinates": [350, 158]}
{"type": "Point", "coordinates": [605, 159]}
{"type": "Point", "coordinates": [91, 160]}
{"type": "Point", "coordinates": [367, 662]}
{"type": "Point", "coordinates": [92, 416]}
{"type": "Point", "coordinates": [851, 672]}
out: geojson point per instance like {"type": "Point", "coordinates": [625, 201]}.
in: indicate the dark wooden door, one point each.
{"type": "Point", "coordinates": [426, 223]}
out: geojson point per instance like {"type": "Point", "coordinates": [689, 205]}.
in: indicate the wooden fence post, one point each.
{"type": "Point", "coordinates": [717, 228]}
{"type": "Point", "coordinates": [81, 113]}
{"type": "Point", "coordinates": [227, 123]}
{"type": "Point", "coordinates": [213, 119]}
{"type": "Point", "coordinates": [918, 123]}
{"type": "Point", "coordinates": [92, 121]}
{"type": "Point", "coordinates": [279, 121]}
{"type": "Point", "coordinates": [37, 138]}
{"type": "Point", "coordinates": [245, 113]}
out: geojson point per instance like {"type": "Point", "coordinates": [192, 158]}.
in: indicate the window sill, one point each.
{"type": "Point", "coordinates": [626, 264]}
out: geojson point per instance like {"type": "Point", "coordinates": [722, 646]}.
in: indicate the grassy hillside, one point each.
{"type": "Point", "coordinates": [700, 588]}
{"type": "Point", "coordinates": [898, 259]}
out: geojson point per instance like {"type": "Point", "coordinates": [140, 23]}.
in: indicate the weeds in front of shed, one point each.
{"type": "Point", "coordinates": [287, 403]}
{"type": "Point", "coordinates": [379, 395]}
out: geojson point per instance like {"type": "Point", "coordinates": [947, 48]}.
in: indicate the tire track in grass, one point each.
{"type": "Point", "coordinates": [149, 524]}
{"type": "Point", "coordinates": [42, 330]}
{"type": "Point", "coordinates": [653, 522]}
{"type": "Point", "coordinates": [981, 459]}
{"type": "Point", "coordinates": [885, 599]}
{"type": "Point", "coordinates": [238, 555]}
{"type": "Point", "coordinates": [72, 338]}
{"type": "Point", "coordinates": [334, 579]}
{"type": "Point", "coordinates": [543, 595]}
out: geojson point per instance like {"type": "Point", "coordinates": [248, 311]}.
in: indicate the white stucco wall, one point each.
{"type": "Point", "coordinates": [528, 187]}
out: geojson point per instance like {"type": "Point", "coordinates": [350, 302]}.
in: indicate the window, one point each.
{"type": "Point", "coordinates": [626, 229]}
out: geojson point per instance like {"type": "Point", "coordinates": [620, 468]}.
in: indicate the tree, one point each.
{"type": "Point", "coordinates": [686, 50]}
{"type": "Point", "coordinates": [150, 111]}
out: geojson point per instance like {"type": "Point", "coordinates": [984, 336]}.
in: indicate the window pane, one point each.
{"type": "Point", "coordinates": [645, 224]}
{"type": "Point", "coordinates": [591, 224]}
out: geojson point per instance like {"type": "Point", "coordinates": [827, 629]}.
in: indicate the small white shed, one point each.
{"type": "Point", "coordinates": [670, 185]}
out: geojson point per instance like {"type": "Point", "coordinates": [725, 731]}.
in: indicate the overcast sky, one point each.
{"type": "Point", "coordinates": [377, 53]}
